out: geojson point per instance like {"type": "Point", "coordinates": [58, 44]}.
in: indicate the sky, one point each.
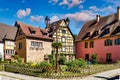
{"type": "Point", "coordinates": [33, 12]}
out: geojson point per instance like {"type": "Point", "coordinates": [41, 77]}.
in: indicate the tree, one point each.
{"type": "Point", "coordinates": [94, 58]}
{"type": "Point", "coordinates": [57, 45]}
{"type": "Point", "coordinates": [74, 36]}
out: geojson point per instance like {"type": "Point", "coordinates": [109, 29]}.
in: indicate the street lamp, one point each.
{"type": "Point", "coordinates": [47, 21]}
{"type": "Point", "coordinates": [67, 21]}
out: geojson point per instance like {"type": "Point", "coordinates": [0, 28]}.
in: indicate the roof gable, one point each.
{"type": "Point", "coordinates": [105, 27]}
{"type": "Point", "coordinates": [53, 27]}
{"type": "Point", "coordinates": [32, 31]}
{"type": "Point", "coordinates": [7, 32]}
{"type": "Point", "coordinates": [63, 23]}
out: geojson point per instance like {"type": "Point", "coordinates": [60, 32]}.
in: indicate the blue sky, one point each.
{"type": "Point", "coordinates": [33, 12]}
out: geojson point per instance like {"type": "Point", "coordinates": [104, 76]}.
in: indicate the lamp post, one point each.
{"type": "Point", "coordinates": [67, 21]}
{"type": "Point", "coordinates": [47, 21]}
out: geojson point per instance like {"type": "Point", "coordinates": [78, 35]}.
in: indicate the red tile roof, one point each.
{"type": "Point", "coordinates": [7, 32]}
{"type": "Point", "coordinates": [28, 28]}
{"type": "Point", "coordinates": [110, 22]}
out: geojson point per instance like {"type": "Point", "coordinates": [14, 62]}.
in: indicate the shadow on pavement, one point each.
{"type": "Point", "coordinates": [102, 77]}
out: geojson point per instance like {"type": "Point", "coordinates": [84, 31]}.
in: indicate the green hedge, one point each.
{"type": "Point", "coordinates": [48, 71]}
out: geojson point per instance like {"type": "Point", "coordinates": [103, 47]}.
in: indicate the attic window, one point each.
{"type": "Point", "coordinates": [32, 31]}
{"type": "Point", "coordinates": [44, 32]}
{"type": "Point", "coordinates": [107, 31]}
{"type": "Point", "coordinates": [87, 35]}
{"type": "Point", "coordinates": [95, 34]}
{"type": "Point", "coordinates": [118, 29]}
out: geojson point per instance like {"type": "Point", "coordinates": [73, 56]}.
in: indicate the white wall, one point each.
{"type": "Point", "coordinates": [2, 50]}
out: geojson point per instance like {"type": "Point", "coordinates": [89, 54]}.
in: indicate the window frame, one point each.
{"type": "Point", "coordinates": [85, 44]}
{"type": "Point", "coordinates": [20, 45]}
{"type": "Point", "coordinates": [108, 42]}
{"type": "Point", "coordinates": [91, 44]}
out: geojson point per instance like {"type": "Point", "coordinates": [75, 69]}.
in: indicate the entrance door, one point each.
{"type": "Point", "coordinates": [108, 57]}
{"type": "Point", "coordinates": [87, 57]}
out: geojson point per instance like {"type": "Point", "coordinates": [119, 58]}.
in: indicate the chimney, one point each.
{"type": "Point", "coordinates": [118, 13]}
{"type": "Point", "coordinates": [97, 18]}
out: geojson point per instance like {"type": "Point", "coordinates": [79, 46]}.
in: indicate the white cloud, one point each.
{"type": "Point", "coordinates": [82, 16]}
{"type": "Point", "coordinates": [75, 3]}
{"type": "Point", "coordinates": [53, 1]}
{"type": "Point", "coordinates": [94, 8]}
{"type": "Point", "coordinates": [104, 9]}
{"type": "Point", "coordinates": [114, 2]}
{"type": "Point", "coordinates": [35, 18]}
{"type": "Point", "coordinates": [64, 2]}
{"type": "Point", "coordinates": [54, 18]}
{"type": "Point", "coordinates": [23, 13]}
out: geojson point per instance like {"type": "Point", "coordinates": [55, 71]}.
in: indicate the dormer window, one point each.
{"type": "Point", "coordinates": [96, 33]}
{"type": "Point", "coordinates": [107, 31]}
{"type": "Point", "coordinates": [44, 32]}
{"type": "Point", "coordinates": [87, 35]}
{"type": "Point", "coordinates": [117, 29]}
{"type": "Point", "coordinates": [32, 31]}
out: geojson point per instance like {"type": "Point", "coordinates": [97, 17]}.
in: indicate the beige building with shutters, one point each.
{"type": "Point", "coordinates": [32, 43]}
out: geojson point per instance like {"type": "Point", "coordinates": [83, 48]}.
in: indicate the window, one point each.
{"type": "Point", "coordinates": [108, 42]}
{"type": "Point", "coordinates": [108, 57]}
{"type": "Point", "coordinates": [86, 35]}
{"type": "Point", "coordinates": [36, 44]}
{"type": "Point", "coordinates": [63, 49]}
{"type": "Point", "coordinates": [63, 39]}
{"type": "Point", "coordinates": [19, 45]}
{"type": "Point", "coordinates": [32, 32]}
{"type": "Point", "coordinates": [107, 31]}
{"type": "Point", "coordinates": [117, 41]}
{"type": "Point", "coordinates": [41, 45]}
{"type": "Point", "coordinates": [91, 44]}
{"type": "Point", "coordinates": [9, 43]}
{"type": "Point", "coordinates": [95, 33]}
{"type": "Point", "coordinates": [86, 44]}
{"type": "Point", "coordinates": [63, 31]}
{"type": "Point", "coordinates": [32, 44]}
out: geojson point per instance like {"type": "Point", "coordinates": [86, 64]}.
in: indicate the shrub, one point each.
{"type": "Point", "coordinates": [44, 66]}
{"type": "Point", "coordinates": [118, 61]}
{"type": "Point", "coordinates": [82, 63]}
{"type": "Point", "coordinates": [62, 60]}
{"type": "Point", "coordinates": [20, 60]}
{"type": "Point", "coordinates": [51, 59]}
{"type": "Point", "coordinates": [94, 59]}
{"type": "Point", "coordinates": [77, 63]}
{"type": "Point", "coordinates": [15, 56]}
